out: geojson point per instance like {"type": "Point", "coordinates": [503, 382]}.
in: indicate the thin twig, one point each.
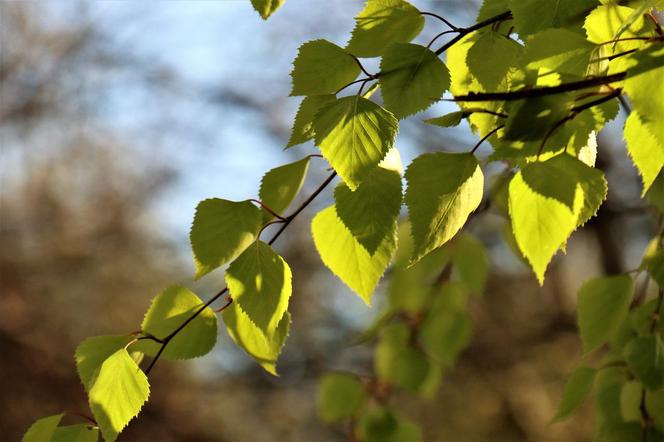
{"type": "Point", "coordinates": [441, 18]}
{"type": "Point", "coordinates": [465, 31]}
{"type": "Point", "coordinates": [359, 63]}
{"type": "Point", "coordinates": [267, 209]}
{"type": "Point", "coordinates": [493, 131]}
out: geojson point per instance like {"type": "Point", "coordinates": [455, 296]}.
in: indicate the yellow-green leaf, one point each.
{"type": "Point", "coordinates": [281, 185]}
{"type": "Point", "coordinates": [221, 230]}
{"type": "Point", "coordinates": [322, 67]}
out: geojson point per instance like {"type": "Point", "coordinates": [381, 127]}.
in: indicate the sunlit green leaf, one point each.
{"type": "Point", "coordinates": [354, 134]}
{"type": "Point", "coordinates": [118, 394]}
{"type": "Point", "coordinates": [168, 311]}
{"type": "Point", "coordinates": [381, 23]}
{"type": "Point", "coordinates": [92, 352]}
{"type": "Point", "coordinates": [281, 185]}
{"type": "Point", "coordinates": [259, 281]}
{"type": "Point", "coordinates": [548, 200]}
{"type": "Point", "coordinates": [491, 57]}
{"type": "Point", "coordinates": [532, 16]}
{"type": "Point", "coordinates": [371, 211]}
{"type": "Point", "coordinates": [322, 67]}
{"type": "Point", "coordinates": [263, 348]}
{"type": "Point", "coordinates": [303, 126]}
{"type": "Point", "coordinates": [346, 257]}
{"type": "Point", "coordinates": [221, 230]}
{"type": "Point", "coordinates": [448, 120]}
{"type": "Point", "coordinates": [559, 50]}
{"type": "Point", "coordinates": [412, 78]}
{"type": "Point", "coordinates": [443, 190]}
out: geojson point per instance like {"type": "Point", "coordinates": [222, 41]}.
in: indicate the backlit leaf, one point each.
{"type": "Point", "coordinates": [371, 211]}
{"type": "Point", "coordinates": [259, 281]}
{"type": "Point", "coordinates": [346, 257]}
{"type": "Point", "coordinates": [532, 16]}
{"type": "Point", "coordinates": [221, 230]}
{"type": "Point", "coordinates": [354, 134]}
{"type": "Point", "coordinates": [92, 352]}
{"type": "Point", "coordinates": [168, 310]}
{"type": "Point", "coordinates": [76, 433]}
{"type": "Point", "coordinates": [382, 23]}
{"type": "Point", "coordinates": [322, 67]}
{"type": "Point", "coordinates": [281, 185]}
{"type": "Point", "coordinates": [118, 394]}
{"type": "Point", "coordinates": [443, 190]}
{"type": "Point", "coordinates": [491, 57]}
{"type": "Point", "coordinates": [263, 348]}
{"type": "Point", "coordinates": [303, 126]}
{"type": "Point", "coordinates": [646, 153]}
{"type": "Point", "coordinates": [412, 78]}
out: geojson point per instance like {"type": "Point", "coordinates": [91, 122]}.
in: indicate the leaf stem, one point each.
{"type": "Point", "coordinates": [267, 209]}
{"type": "Point", "coordinates": [441, 18]}
{"type": "Point", "coordinates": [491, 132]}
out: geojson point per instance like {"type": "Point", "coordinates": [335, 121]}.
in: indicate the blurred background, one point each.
{"type": "Point", "coordinates": [117, 117]}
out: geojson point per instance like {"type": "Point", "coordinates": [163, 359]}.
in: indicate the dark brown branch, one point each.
{"type": "Point", "coordinates": [465, 31]}
{"type": "Point", "coordinates": [540, 91]}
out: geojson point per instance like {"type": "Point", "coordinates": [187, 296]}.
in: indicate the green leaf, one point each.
{"type": "Point", "coordinates": [446, 329]}
{"type": "Point", "coordinates": [263, 348]}
{"type": "Point", "coordinates": [645, 88]}
{"type": "Point", "coordinates": [339, 396]}
{"type": "Point", "coordinates": [448, 120]}
{"type": "Point", "coordinates": [370, 212]}
{"type": "Point", "coordinates": [322, 67]}
{"type": "Point", "coordinates": [548, 200]}
{"type": "Point", "coordinates": [491, 8]}
{"type": "Point", "coordinates": [75, 433]}
{"type": "Point", "coordinates": [533, 118]}
{"type": "Point", "coordinates": [471, 261]}
{"type": "Point", "coordinates": [168, 310]}
{"type": "Point", "coordinates": [569, 55]}
{"type": "Point", "coordinates": [43, 429]}
{"type": "Point", "coordinates": [412, 78]}
{"type": "Point", "coordinates": [646, 153]}
{"type": "Point", "coordinates": [382, 23]}
{"type": "Point", "coordinates": [576, 390]}
{"type": "Point", "coordinates": [281, 185]}
{"type": "Point", "coordinates": [259, 281]}
{"type": "Point", "coordinates": [605, 21]}
{"type": "Point", "coordinates": [397, 362]}
{"type": "Point", "coordinates": [630, 401]}
{"type": "Point", "coordinates": [303, 126]}
{"type": "Point", "coordinates": [602, 306]}
{"type": "Point", "coordinates": [443, 190]}
{"type": "Point", "coordinates": [491, 57]}
{"type": "Point", "coordinates": [532, 16]}
{"type": "Point", "coordinates": [345, 256]}
{"type": "Point", "coordinates": [221, 230]}
{"type": "Point", "coordinates": [645, 357]}
{"type": "Point", "coordinates": [266, 7]}
{"type": "Point", "coordinates": [655, 406]}
{"type": "Point", "coordinates": [656, 192]}
{"type": "Point", "coordinates": [92, 352]}
{"type": "Point", "coordinates": [381, 425]}
{"type": "Point", "coordinates": [354, 134]}
{"type": "Point", "coordinates": [118, 394]}
{"type": "Point", "coordinates": [655, 267]}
